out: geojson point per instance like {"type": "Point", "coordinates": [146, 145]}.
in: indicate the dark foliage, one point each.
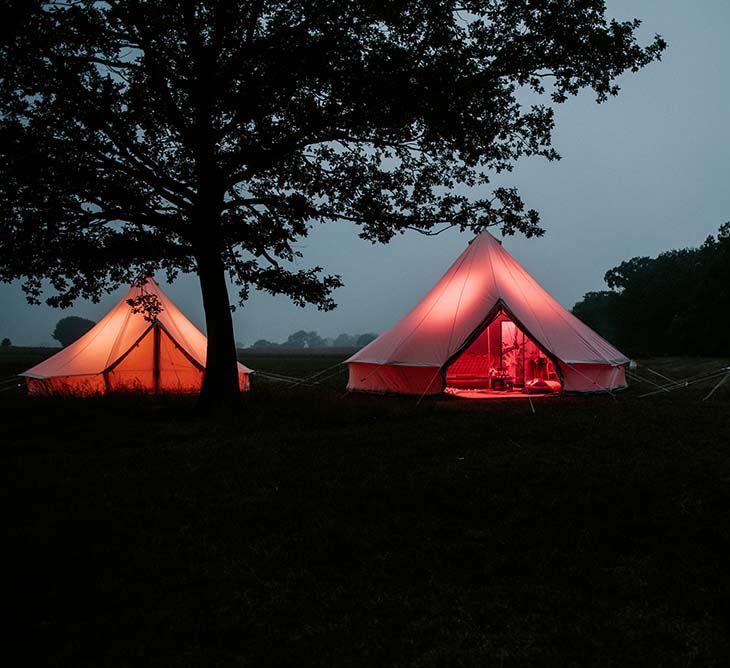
{"type": "Point", "coordinates": [345, 341]}
{"type": "Point", "coordinates": [264, 343]}
{"type": "Point", "coordinates": [364, 339]}
{"type": "Point", "coordinates": [302, 339]}
{"type": "Point", "coordinates": [6, 343]}
{"type": "Point", "coordinates": [146, 304]}
{"type": "Point", "coordinates": [209, 136]}
{"type": "Point", "coordinates": [676, 303]}
{"type": "Point", "coordinates": [71, 328]}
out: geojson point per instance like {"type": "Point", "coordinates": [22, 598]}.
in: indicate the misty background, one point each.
{"type": "Point", "coordinates": [642, 173]}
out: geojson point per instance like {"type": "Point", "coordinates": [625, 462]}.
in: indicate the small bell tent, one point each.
{"type": "Point", "coordinates": [130, 350]}
{"type": "Point", "coordinates": [488, 329]}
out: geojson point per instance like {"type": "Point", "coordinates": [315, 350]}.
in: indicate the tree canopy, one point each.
{"type": "Point", "coordinates": [677, 303]}
{"type": "Point", "coordinates": [364, 339]}
{"type": "Point", "coordinates": [210, 136]}
{"type": "Point", "coordinates": [71, 328]}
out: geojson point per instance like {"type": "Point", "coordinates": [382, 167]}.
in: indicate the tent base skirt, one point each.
{"type": "Point", "coordinates": [428, 380]}
{"type": "Point", "coordinates": [590, 378]}
{"type": "Point", "coordinates": [394, 378]}
{"type": "Point", "coordinates": [89, 386]}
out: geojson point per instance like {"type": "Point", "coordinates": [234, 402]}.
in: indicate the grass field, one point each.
{"type": "Point", "coordinates": [314, 528]}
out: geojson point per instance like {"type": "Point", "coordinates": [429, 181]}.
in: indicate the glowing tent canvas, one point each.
{"type": "Point", "coordinates": [487, 325]}
{"type": "Point", "coordinates": [125, 351]}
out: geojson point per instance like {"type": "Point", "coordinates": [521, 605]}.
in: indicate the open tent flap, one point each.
{"type": "Point", "coordinates": [503, 358]}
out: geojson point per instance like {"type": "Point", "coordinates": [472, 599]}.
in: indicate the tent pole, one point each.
{"type": "Point", "coordinates": [524, 375]}
{"type": "Point", "coordinates": [156, 360]}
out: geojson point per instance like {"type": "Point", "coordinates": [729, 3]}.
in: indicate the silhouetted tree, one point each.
{"type": "Point", "coordinates": [314, 340]}
{"type": "Point", "coordinates": [6, 343]}
{"type": "Point", "coordinates": [263, 343]}
{"type": "Point", "coordinates": [71, 328]}
{"type": "Point", "coordinates": [296, 340]}
{"type": "Point", "coordinates": [345, 341]}
{"type": "Point", "coordinates": [676, 303]}
{"type": "Point", "coordinates": [302, 339]}
{"type": "Point", "coordinates": [600, 311]}
{"type": "Point", "coordinates": [364, 339]}
{"type": "Point", "coordinates": [210, 135]}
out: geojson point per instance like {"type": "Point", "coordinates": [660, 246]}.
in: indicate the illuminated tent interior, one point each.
{"type": "Point", "coordinates": [502, 361]}
{"type": "Point", "coordinates": [487, 329]}
{"type": "Point", "coordinates": [130, 351]}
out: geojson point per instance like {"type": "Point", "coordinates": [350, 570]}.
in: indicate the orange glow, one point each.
{"type": "Point", "coordinates": [125, 352]}
{"type": "Point", "coordinates": [505, 360]}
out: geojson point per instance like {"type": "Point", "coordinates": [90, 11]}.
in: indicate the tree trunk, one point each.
{"type": "Point", "coordinates": [220, 381]}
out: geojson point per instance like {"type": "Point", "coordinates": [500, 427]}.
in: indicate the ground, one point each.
{"type": "Point", "coordinates": [315, 528]}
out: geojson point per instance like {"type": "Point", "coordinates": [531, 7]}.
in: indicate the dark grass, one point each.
{"type": "Point", "coordinates": [315, 529]}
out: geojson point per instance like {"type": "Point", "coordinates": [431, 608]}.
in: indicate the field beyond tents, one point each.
{"type": "Point", "coordinates": [315, 528]}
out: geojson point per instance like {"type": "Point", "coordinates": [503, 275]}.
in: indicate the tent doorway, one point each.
{"type": "Point", "coordinates": [503, 361]}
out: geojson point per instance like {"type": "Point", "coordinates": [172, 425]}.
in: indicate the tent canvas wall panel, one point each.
{"type": "Point", "coordinates": [135, 370]}
{"type": "Point", "coordinates": [176, 372]}
{"type": "Point", "coordinates": [399, 378]}
{"type": "Point", "coordinates": [66, 386]}
{"type": "Point", "coordinates": [587, 378]}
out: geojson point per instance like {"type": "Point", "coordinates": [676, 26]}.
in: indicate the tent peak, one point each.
{"type": "Point", "coordinates": [142, 279]}
{"type": "Point", "coordinates": [486, 234]}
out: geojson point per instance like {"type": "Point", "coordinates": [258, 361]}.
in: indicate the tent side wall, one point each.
{"type": "Point", "coordinates": [66, 386]}
{"type": "Point", "coordinates": [586, 378]}
{"type": "Point", "coordinates": [244, 383]}
{"type": "Point", "coordinates": [176, 372]}
{"type": "Point", "coordinates": [395, 378]}
{"type": "Point", "coordinates": [87, 386]}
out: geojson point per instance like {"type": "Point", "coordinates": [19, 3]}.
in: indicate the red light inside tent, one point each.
{"type": "Point", "coordinates": [502, 361]}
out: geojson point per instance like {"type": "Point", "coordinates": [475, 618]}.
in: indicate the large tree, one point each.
{"type": "Point", "coordinates": [210, 135]}
{"type": "Point", "coordinates": [677, 303]}
{"type": "Point", "coordinates": [71, 328]}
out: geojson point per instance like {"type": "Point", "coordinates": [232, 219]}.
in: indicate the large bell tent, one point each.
{"type": "Point", "coordinates": [488, 329]}
{"type": "Point", "coordinates": [130, 350]}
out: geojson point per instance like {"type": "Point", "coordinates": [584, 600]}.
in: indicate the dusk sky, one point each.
{"type": "Point", "coordinates": [645, 172]}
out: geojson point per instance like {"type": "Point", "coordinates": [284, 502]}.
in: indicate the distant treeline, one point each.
{"type": "Point", "coordinates": [302, 339]}
{"type": "Point", "coordinates": [675, 304]}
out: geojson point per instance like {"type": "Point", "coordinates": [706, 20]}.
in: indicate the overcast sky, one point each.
{"type": "Point", "coordinates": [645, 172]}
